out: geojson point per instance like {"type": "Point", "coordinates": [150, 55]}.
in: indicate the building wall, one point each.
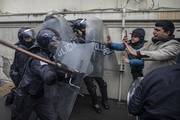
{"type": "Point", "coordinates": [117, 15]}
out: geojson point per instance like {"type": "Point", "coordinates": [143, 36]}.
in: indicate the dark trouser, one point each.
{"type": "Point", "coordinates": [23, 107]}
{"type": "Point", "coordinates": [89, 81]}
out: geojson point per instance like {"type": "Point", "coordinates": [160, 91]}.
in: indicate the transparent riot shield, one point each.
{"type": "Point", "coordinates": [60, 25]}
{"type": "Point", "coordinates": [95, 32]}
{"type": "Point", "coordinates": [132, 88]}
{"type": "Point", "coordinates": [76, 57]}
{"type": "Point", "coordinates": [70, 54]}
{"type": "Point", "coordinates": [134, 85]}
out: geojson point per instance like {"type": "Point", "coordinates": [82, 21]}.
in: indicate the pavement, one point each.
{"type": "Point", "coordinates": [83, 110]}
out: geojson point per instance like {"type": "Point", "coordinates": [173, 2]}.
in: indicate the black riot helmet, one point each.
{"type": "Point", "coordinates": [23, 34]}
{"type": "Point", "coordinates": [47, 36]}
{"type": "Point", "coordinates": [79, 27]}
{"type": "Point", "coordinates": [80, 23]}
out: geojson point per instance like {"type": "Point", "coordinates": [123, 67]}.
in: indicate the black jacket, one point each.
{"type": "Point", "coordinates": [36, 74]}
{"type": "Point", "coordinates": [158, 95]}
{"type": "Point", "coordinates": [17, 67]}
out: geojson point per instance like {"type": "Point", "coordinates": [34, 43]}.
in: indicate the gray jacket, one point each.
{"type": "Point", "coordinates": [159, 54]}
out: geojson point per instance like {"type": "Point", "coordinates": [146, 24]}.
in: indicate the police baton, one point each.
{"type": "Point", "coordinates": [34, 56]}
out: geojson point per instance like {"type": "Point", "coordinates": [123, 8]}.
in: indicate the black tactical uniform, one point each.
{"type": "Point", "coordinates": [79, 27]}
{"type": "Point", "coordinates": [30, 92]}
{"type": "Point", "coordinates": [17, 67]}
{"type": "Point", "coordinates": [89, 81]}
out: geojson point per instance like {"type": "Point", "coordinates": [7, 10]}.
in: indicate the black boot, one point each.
{"type": "Point", "coordinates": [105, 105]}
{"type": "Point", "coordinates": [97, 108]}
{"type": "Point", "coordinates": [103, 89]}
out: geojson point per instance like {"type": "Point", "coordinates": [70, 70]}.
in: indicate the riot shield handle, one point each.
{"type": "Point", "coordinates": [71, 84]}
{"type": "Point", "coordinates": [66, 68]}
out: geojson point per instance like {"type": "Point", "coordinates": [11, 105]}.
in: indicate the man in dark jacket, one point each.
{"type": "Point", "coordinates": [26, 41]}
{"type": "Point", "coordinates": [38, 74]}
{"type": "Point", "coordinates": [157, 96]}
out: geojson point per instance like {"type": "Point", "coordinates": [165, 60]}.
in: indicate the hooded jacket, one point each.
{"type": "Point", "coordinates": [136, 63]}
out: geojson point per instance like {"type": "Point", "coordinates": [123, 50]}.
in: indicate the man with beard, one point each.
{"type": "Point", "coordinates": [137, 42]}
{"type": "Point", "coordinates": [161, 50]}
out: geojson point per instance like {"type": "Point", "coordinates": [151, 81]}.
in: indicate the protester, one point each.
{"type": "Point", "coordinates": [161, 50]}
{"type": "Point", "coordinates": [137, 42]}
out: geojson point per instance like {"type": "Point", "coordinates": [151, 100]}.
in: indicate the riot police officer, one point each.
{"type": "Point", "coordinates": [38, 74]}
{"type": "Point", "coordinates": [79, 28]}
{"type": "Point", "coordinates": [26, 41]}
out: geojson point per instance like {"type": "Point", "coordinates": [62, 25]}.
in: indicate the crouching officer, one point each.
{"type": "Point", "coordinates": [30, 92]}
